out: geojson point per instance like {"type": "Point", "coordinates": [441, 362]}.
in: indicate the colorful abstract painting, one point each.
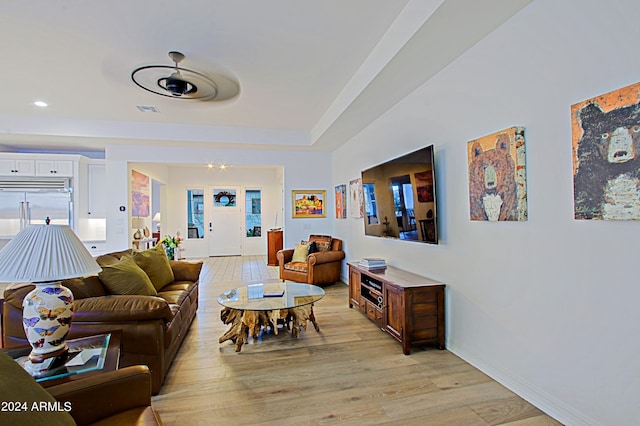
{"type": "Point", "coordinates": [424, 186]}
{"type": "Point", "coordinates": [606, 156]}
{"type": "Point", "coordinates": [341, 201]}
{"type": "Point", "coordinates": [308, 204]}
{"type": "Point", "coordinates": [497, 176]}
{"type": "Point", "coordinates": [139, 194]}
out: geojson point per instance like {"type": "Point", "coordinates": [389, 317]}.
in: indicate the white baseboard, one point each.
{"type": "Point", "coordinates": [561, 412]}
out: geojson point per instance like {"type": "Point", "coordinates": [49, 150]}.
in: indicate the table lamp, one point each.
{"type": "Point", "coordinates": [137, 223]}
{"type": "Point", "coordinates": [156, 218]}
{"type": "Point", "coordinates": [44, 255]}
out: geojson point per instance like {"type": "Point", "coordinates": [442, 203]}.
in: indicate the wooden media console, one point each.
{"type": "Point", "coordinates": [407, 306]}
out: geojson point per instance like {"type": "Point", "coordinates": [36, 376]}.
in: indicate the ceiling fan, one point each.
{"type": "Point", "coordinates": [182, 83]}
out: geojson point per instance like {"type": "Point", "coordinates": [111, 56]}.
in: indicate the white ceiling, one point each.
{"type": "Point", "coordinates": [311, 73]}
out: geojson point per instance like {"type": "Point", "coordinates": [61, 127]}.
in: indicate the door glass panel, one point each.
{"type": "Point", "coordinates": [224, 198]}
{"type": "Point", "coordinates": [195, 213]}
{"type": "Point", "coordinates": [253, 208]}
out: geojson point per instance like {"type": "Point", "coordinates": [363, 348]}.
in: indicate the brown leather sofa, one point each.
{"type": "Point", "coordinates": [153, 327]}
{"type": "Point", "coordinates": [121, 397]}
{"type": "Point", "coordinates": [320, 267]}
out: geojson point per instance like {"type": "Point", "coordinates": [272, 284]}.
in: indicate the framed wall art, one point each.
{"type": "Point", "coordinates": [341, 201]}
{"type": "Point", "coordinates": [606, 156]}
{"type": "Point", "coordinates": [497, 176]}
{"type": "Point", "coordinates": [308, 204]}
{"type": "Point", "coordinates": [356, 198]}
{"type": "Point", "coordinates": [139, 194]}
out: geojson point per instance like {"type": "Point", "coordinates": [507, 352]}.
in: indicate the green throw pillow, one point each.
{"type": "Point", "coordinates": [300, 253]}
{"type": "Point", "coordinates": [155, 263]}
{"type": "Point", "coordinates": [125, 277]}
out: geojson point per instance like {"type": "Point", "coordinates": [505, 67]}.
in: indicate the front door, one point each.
{"type": "Point", "coordinates": [225, 229]}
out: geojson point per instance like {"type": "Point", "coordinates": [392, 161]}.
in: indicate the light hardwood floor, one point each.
{"type": "Point", "coordinates": [349, 373]}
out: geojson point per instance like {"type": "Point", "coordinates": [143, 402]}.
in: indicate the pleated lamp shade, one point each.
{"type": "Point", "coordinates": [44, 253]}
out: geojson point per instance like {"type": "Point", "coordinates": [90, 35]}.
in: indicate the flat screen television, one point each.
{"type": "Point", "coordinates": [400, 198]}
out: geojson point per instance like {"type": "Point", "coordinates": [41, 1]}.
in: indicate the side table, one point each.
{"type": "Point", "coordinates": [102, 350]}
{"type": "Point", "coordinates": [145, 242]}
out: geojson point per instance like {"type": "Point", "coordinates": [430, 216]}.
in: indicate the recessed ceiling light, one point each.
{"type": "Point", "coordinates": [41, 104]}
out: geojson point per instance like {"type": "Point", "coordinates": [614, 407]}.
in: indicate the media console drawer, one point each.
{"type": "Point", "coordinates": [407, 306]}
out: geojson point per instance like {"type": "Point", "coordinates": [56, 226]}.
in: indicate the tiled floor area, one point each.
{"type": "Point", "coordinates": [240, 268]}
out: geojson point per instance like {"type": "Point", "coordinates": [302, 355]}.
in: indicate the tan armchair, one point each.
{"type": "Point", "coordinates": [321, 267]}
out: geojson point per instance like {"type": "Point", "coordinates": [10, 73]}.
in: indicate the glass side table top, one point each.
{"type": "Point", "coordinates": [86, 354]}
{"type": "Point", "coordinates": [270, 296]}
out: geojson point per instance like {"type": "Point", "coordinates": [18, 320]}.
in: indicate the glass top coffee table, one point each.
{"type": "Point", "coordinates": [254, 306]}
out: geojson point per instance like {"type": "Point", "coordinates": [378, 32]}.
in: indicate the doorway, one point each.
{"type": "Point", "coordinates": [225, 228]}
{"type": "Point", "coordinates": [403, 204]}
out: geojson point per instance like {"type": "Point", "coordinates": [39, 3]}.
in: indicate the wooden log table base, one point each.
{"type": "Point", "coordinates": [244, 322]}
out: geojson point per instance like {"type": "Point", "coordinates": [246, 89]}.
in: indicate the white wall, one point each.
{"type": "Point", "coordinates": [253, 177]}
{"type": "Point", "coordinates": [547, 306]}
{"type": "Point", "coordinates": [299, 170]}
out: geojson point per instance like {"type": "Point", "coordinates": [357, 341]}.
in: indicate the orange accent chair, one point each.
{"type": "Point", "coordinates": [318, 267]}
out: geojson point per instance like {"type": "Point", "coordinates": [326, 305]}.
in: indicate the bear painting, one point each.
{"type": "Point", "coordinates": [606, 156]}
{"type": "Point", "coordinates": [497, 176]}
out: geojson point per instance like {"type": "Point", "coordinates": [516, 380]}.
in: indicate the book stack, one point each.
{"type": "Point", "coordinates": [373, 263]}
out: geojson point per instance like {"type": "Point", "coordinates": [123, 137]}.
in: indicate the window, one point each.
{"type": "Point", "coordinates": [195, 213]}
{"type": "Point", "coordinates": [253, 209]}
{"type": "Point", "coordinates": [370, 203]}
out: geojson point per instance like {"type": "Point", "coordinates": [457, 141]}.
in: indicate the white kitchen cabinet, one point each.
{"type": "Point", "coordinates": [56, 168]}
{"type": "Point", "coordinates": [97, 185]}
{"type": "Point", "coordinates": [17, 167]}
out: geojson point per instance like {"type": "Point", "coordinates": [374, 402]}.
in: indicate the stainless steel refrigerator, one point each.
{"type": "Point", "coordinates": [19, 208]}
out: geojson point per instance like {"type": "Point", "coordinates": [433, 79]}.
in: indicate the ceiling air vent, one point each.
{"type": "Point", "coordinates": [147, 108]}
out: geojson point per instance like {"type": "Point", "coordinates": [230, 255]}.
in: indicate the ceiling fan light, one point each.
{"type": "Point", "coordinates": [183, 83]}
{"type": "Point", "coordinates": [176, 85]}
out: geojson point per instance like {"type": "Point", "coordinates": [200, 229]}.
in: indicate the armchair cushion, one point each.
{"type": "Point", "coordinates": [300, 253]}
{"type": "Point", "coordinates": [296, 266]}
{"type": "Point", "coordinates": [322, 242]}
{"type": "Point", "coordinates": [313, 247]}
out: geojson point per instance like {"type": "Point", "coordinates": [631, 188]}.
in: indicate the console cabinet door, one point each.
{"type": "Point", "coordinates": [354, 287]}
{"type": "Point", "coordinates": [394, 311]}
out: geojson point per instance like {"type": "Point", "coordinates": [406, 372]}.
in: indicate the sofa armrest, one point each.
{"type": "Point", "coordinates": [185, 271]}
{"type": "Point", "coordinates": [106, 394]}
{"type": "Point", "coordinates": [117, 308]}
{"type": "Point", "coordinates": [320, 257]}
